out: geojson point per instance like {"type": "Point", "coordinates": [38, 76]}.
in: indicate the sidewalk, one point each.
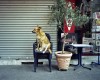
{"type": "Point", "coordinates": [25, 72]}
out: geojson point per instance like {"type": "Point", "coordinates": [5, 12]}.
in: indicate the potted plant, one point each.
{"type": "Point", "coordinates": [62, 10]}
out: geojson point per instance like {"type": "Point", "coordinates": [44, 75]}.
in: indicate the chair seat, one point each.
{"type": "Point", "coordinates": [41, 55]}
{"type": "Point", "coordinates": [38, 52]}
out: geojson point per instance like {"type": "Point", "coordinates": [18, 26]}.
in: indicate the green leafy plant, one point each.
{"type": "Point", "coordinates": [63, 10]}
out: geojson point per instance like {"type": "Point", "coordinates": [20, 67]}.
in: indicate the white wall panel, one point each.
{"type": "Point", "coordinates": [17, 19]}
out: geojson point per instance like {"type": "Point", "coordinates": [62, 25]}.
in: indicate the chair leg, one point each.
{"type": "Point", "coordinates": [36, 62]}
{"type": "Point", "coordinates": [35, 65]}
{"type": "Point", "coordinates": [49, 63]}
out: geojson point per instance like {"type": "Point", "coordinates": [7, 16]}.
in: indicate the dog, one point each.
{"type": "Point", "coordinates": [42, 40]}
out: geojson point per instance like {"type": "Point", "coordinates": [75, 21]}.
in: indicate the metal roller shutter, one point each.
{"type": "Point", "coordinates": [17, 19]}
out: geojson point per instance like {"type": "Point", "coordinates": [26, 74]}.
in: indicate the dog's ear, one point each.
{"type": "Point", "coordinates": [40, 27]}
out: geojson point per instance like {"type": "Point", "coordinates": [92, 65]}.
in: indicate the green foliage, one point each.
{"type": "Point", "coordinates": [63, 10]}
{"type": "Point", "coordinates": [58, 12]}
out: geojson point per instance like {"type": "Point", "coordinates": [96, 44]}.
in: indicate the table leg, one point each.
{"type": "Point", "coordinates": [98, 52]}
{"type": "Point", "coordinates": [96, 63]}
{"type": "Point", "coordinates": [80, 59]}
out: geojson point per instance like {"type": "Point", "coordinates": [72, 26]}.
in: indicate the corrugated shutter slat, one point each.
{"type": "Point", "coordinates": [17, 19]}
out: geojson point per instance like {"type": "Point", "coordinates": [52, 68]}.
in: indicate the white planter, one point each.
{"type": "Point", "coordinates": [63, 60]}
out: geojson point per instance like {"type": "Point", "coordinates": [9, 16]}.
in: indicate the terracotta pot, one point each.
{"type": "Point", "coordinates": [63, 60]}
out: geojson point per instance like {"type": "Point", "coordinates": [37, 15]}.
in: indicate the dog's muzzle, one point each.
{"type": "Point", "coordinates": [33, 32]}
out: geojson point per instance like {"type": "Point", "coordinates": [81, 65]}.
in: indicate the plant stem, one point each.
{"type": "Point", "coordinates": [64, 42]}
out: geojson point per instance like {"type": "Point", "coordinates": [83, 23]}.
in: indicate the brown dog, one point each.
{"type": "Point", "coordinates": [43, 42]}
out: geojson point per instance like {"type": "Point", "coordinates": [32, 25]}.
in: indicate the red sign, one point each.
{"type": "Point", "coordinates": [69, 27]}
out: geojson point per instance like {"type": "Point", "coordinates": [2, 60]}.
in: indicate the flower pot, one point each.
{"type": "Point", "coordinates": [63, 60]}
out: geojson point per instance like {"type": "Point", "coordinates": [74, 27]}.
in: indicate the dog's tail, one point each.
{"type": "Point", "coordinates": [50, 51]}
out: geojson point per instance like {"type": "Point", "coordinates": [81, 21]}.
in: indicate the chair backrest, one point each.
{"type": "Point", "coordinates": [48, 36]}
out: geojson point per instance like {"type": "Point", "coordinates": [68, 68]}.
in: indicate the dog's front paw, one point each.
{"type": "Point", "coordinates": [40, 49]}
{"type": "Point", "coordinates": [43, 51]}
{"type": "Point", "coordinates": [37, 49]}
